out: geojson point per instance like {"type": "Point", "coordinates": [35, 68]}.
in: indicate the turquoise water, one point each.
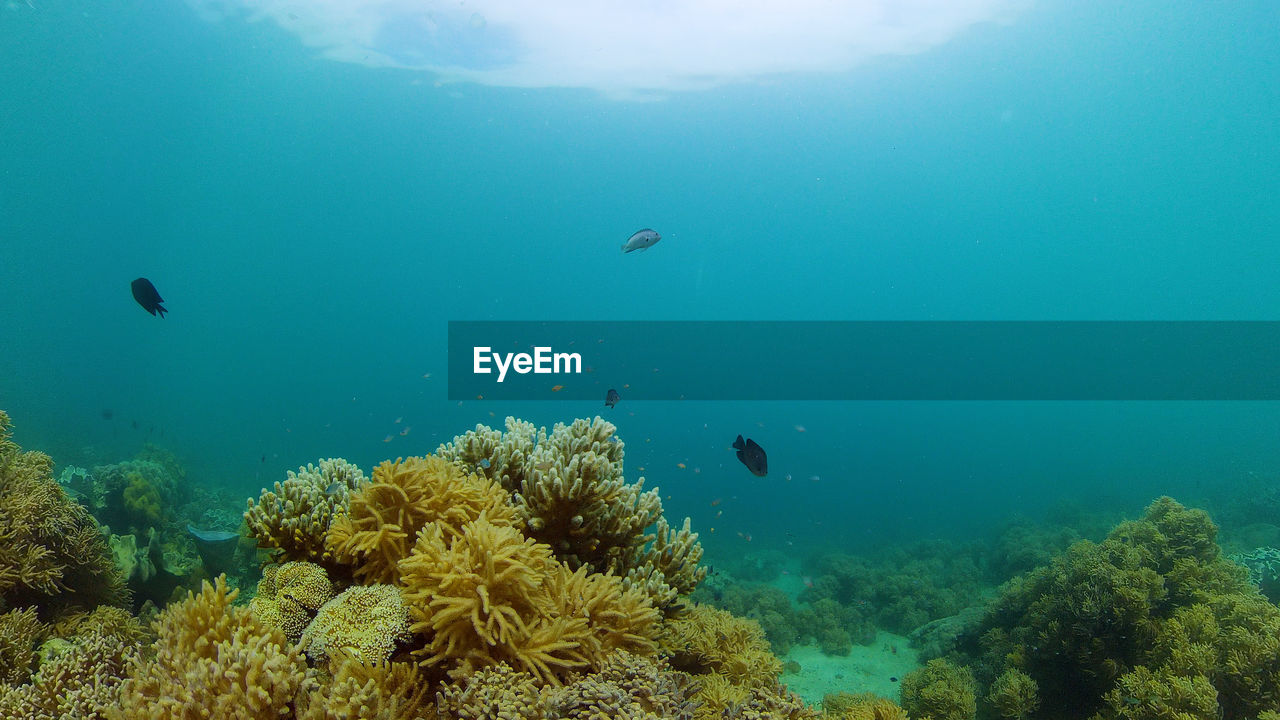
{"type": "Point", "coordinates": [313, 224]}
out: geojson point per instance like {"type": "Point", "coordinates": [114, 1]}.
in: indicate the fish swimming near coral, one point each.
{"type": "Point", "coordinates": [611, 398]}
{"type": "Point", "coordinates": [752, 455]}
{"type": "Point", "coordinates": [641, 240]}
{"type": "Point", "coordinates": [147, 296]}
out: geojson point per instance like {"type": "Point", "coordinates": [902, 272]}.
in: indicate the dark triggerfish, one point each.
{"type": "Point", "coordinates": [752, 455]}
{"type": "Point", "coordinates": [611, 398]}
{"type": "Point", "coordinates": [147, 296]}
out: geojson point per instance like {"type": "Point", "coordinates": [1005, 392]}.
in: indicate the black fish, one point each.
{"type": "Point", "coordinates": [611, 398]}
{"type": "Point", "coordinates": [147, 296]}
{"type": "Point", "coordinates": [752, 455]}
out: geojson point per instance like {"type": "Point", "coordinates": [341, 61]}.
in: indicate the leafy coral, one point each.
{"type": "Point", "coordinates": [940, 690]}
{"type": "Point", "coordinates": [52, 555]}
{"type": "Point", "coordinates": [210, 654]}
{"type": "Point", "coordinates": [366, 622]}
{"type": "Point", "coordinates": [385, 516]}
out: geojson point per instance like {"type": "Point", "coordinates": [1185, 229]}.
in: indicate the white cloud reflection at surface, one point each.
{"type": "Point", "coordinates": [619, 48]}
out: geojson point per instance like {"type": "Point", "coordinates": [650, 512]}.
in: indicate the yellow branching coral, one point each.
{"type": "Point", "coordinates": [52, 555]}
{"type": "Point", "coordinates": [103, 620]}
{"type": "Point", "coordinates": [289, 596]}
{"type": "Point", "coordinates": [82, 681]}
{"type": "Point", "coordinates": [364, 691]}
{"type": "Point", "coordinates": [626, 687]}
{"type": "Point", "coordinates": [707, 639]}
{"type": "Point", "coordinates": [20, 633]}
{"type": "Point", "coordinates": [475, 598]}
{"type": "Point", "coordinates": [212, 655]}
{"type": "Point", "coordinates": [494, 693]}
{"type": "Point", "coordinates": [367, 622]}
{"type": "Point", "coordinates": [385, 516]}
{"type": "Point", "coordinates": [294, 518]}
{"type": "Point", "coordinates": [569, 488]}
{"type": "Point", "coordinates": [619, 618]}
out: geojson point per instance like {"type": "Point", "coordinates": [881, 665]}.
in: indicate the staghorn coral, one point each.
{"type": "Point", "coordinates": [366, 622]}
{"type": "Point", "coordinates": [940, 690]}
{"type": "Point", "coordinates": [368, 691]}
{"type": "Point", "coordinates": [52, 555]}
{"type": "Point", "coordinates": [294, 518]}
{"type": "Point", "coordinates": [289, 596]}
{"type": "Point", "coordinates": [626, 687]}
{"type": "Point", "coordinates": [20, 633]}
{"type": "Point", "coordinates": [82, 681]}
{"type": "Point", "coordinates": [569, 488]}
{"type": "Point", "coordinates": [212, 655]}
{"type": "Point", "coordinates": [385, 516]}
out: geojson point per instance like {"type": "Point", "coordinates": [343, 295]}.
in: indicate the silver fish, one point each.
{"type": "Point", "coordinates": [641, 240]}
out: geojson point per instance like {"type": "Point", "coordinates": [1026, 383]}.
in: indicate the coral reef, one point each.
{"type": "Point", "coordinates": [212, 655]}
{"type": "Point", "coordinates": [1263, 565]}
{"type": "Point", "coordinates": [20, 633]}
{"type": "Point", "coordinates": [626, 687]}
{"type": "Point", "coordinates": [1151, 622]}
{"type": "Point", "coordinates": [365, 622]}
{"type": "Point", "coordinates": [52, 555]}
{"type": "Point", "coordinates": [939, 690]}
{"type": "Point", "coordinates": [1014, 695]}
{"type": "Point", "coordinates": [367, 691]}
{"type": "Point", "coordinates": [290, 595]}
{"type": "Point", "coordinates": [863, 706]}
{"type": "Point", "coordinates": [81, 680]}
{"type": "Point", "coordinates": [569, 489]}
{"type": "Point", "coordinates": [385, 516]}
{"type": "Point", "coordinates": [293, 519]}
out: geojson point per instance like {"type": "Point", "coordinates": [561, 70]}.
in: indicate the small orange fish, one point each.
{"type": "Point", "coordinates": [426, 376]}
{"type": "Point", "coordinates": [479, 397]}
{"type": "Point", "coordinates": [557, 388]}
{"type": "Point", "coordinates": [641, 468]}
{"type": "Point", "coordinates": [680, 465]}
{"type": "Point", "coordinates": [716, 502]}
{"type": "Point", "coordinates": [626, 385]}
{"type": "Point", "coordinates": [386, 439]}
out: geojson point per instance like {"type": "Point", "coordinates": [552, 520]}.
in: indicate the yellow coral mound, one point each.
{"type": "Point", "coordinates": [369, 691]}
{"type": "Point", "coordinates": [366, 622]}
{"type": "Point", "coordinates": [386, 515]}
{"type": "Point", "coordinates": [212, 655]}
{"type": "Point", "coordinates": [289, 596]}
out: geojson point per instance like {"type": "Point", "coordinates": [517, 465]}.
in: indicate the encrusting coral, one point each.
{"type": "Point", "coordinates": [210, 655]}
{"type": "Point", "coordinates": [384, 517]}
{"type": "Point", "coordinates": [569, 488]}
{"type": "Point", "coordinates": [293, 519]}
{"type": "Point", "coordinates": [52, 555]}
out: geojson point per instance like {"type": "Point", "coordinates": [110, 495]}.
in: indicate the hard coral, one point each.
{"type": "Point", "coordinates": [142, 502]}
{"type": "Point", "coordinates": [368, 691]}
{"type": "Point", "coordinates": [569, 488]}
{"type": "Point", "coordinates": [212, 655]}
{"type": "Point", "coordinates": [52, 555]}
{"type": "Point", "coordinates": [20, 633]}
{"type": "Point", "coordinates": [294, 518]}
{"type": "Point", "coordinates": [385, 516]}
{"type": "Point", "coordinates": [626, 687]}
{"type": "Point", "coordinates": [863, 706]}
{"type": "Point", "coordinates": [81, 681]}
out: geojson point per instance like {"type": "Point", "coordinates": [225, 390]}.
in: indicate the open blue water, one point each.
{"type": "Point", "coordinates": [313, 223]}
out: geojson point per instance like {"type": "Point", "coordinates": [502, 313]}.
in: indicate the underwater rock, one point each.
{"type": "Point", "coordinates": [217, 548]}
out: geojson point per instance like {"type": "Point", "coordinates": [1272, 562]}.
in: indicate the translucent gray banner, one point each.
{"type": "Point", "coordinates": [865, 360]}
